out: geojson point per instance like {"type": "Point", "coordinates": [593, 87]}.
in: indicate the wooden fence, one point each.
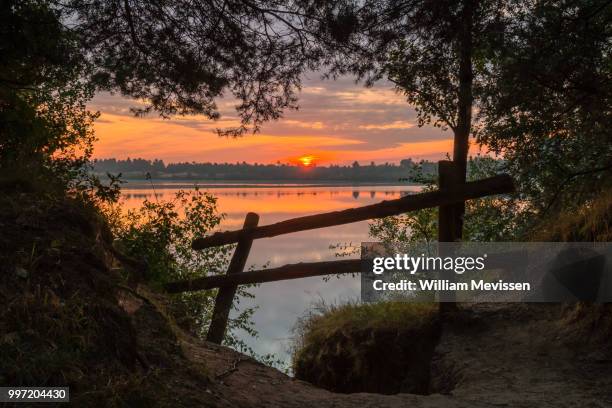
{"type": "Point", "coordinates": [450, 197]}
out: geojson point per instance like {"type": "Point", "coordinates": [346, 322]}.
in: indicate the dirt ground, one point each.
{"type": "Point", "coordinates": [495, 355]}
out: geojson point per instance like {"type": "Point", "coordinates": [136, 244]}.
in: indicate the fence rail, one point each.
{"type": "Point", "coordinates": [450, 197]}
{"type": "Point", "coordinates": [291, 271]}
{"type": "Point", "coordinates": [458, 194]}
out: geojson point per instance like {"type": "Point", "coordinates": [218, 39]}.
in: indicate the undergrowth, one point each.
{"type": "Point", "coordinates": [159, 234]}
{"type": "Point", "coordinates": [584, 322]}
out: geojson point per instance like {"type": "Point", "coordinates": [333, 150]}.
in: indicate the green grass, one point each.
{"type": "Point", "coordinates": [381, 347]}
{"type": "Point", "coordinates": [329, 318]}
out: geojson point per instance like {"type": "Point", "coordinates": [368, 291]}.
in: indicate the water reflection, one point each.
{"type": "Point", "coordinates": [281, 303]}
{"type": "Point", "coordinates": [147, 193]}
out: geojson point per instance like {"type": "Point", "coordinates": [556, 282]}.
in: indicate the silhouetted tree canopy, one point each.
{"type": "Point", "coordinates": [180, 56]}
{"type": "Point", "coordinates": [529, 79]}
{"type": "Point", "coordinates": [546, 103]}
{"type": "Point", "coordinates": [176, 57]}
{"type": "Point", "coordinates": [44, 87]}
{"type": "Point", "coordinates": [430, 49]}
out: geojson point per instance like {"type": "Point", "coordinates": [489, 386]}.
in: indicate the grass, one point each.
{"type": "Point", "coordinates": [326, 318]}
{"type": "Point", "coordinates": [590, 223]}
{"type": "Point", "coordinates": [382, 347]}
{"type": "Point", "coordinates": [584, 322]}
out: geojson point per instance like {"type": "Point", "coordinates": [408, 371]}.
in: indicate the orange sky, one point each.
{"type": "Point", "coordinates": [338, 122]}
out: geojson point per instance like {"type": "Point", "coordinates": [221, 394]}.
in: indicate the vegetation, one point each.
{"type": "Point", "coordinates": [66, 317]}
{"type": "Point", "coordinates": [486, 219]}
{"type": "Point", "coordinates": [530, 80]}
{"type": "Point", "coordinates": [159, 234]}
{"type": "Point", "coordinates": [181, 56]}
{"type": "Point", "coordinates": [537, 74]}
{"type": "Point", "coordinates": [44, 124]}
{"type": "Point", "coordinates": [445, 57]}
{"type": "Point", "coordinates": [49, 73]}
{"type": "Point", "coordinates": [546, 104]}
{"type": "Point", "coordinates": [383, 347]}
{"type": "Point", "coordinates": [432, 53]}
{"type": "Point", "coordinates": [592, 222]}
{"type": "Point", "coordinates": [141, 168]}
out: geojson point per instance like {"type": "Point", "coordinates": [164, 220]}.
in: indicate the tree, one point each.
{"type": "Point", "coordinates": [179, 57]}
{"type": "Point", "coordinates": [42, 92]}
{"type": "Point", "coordinates": [431, 50]}
{"type": "Point", "coordinates": [175, 57]}
{"type": "Point", "coordinates": [546, 105]}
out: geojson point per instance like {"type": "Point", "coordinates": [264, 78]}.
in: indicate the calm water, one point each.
{"type": "Point", "coordinates": [281, 303]}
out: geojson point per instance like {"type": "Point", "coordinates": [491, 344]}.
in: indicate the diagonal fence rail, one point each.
{"type": "Point", "coordinates": [448, 197]}
{"type": "Point", "coordinates": [451, 195]}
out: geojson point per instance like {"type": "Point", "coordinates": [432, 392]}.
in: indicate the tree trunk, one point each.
{"type": "Point", "coordinates": [465, 102]}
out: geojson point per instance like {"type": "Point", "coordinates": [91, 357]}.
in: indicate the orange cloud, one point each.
{"type": "Point", "coordinates": [308, 125]}
{"type": "Point", "coordinates": [338, 122]}
{"type": "Point", "coordinates": [398, 124]}
{"type": "Point", "coordinates": [123, 136]}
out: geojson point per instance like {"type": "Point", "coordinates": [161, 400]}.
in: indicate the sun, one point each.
{"type": "Point", "coordinates": [307, 160]}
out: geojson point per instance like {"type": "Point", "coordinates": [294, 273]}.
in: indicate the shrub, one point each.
{"type": "Point", "coordinates": [592, 222]}
{"type": "Point", "coordinates": [160, 234]}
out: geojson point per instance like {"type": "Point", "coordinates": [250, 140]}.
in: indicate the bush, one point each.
{"type": "Point", "coordinates": [160, 234]}
{"type": "Point", "coordinates": [383, 347]}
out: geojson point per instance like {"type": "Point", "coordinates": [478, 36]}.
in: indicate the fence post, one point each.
{"type": "Point", "coordinates": [450, 224]}
{"type": "Point", "coordinates": [225, 296]}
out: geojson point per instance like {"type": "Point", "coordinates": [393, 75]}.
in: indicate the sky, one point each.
{"type": "Point", "coordinates": [337, 122]}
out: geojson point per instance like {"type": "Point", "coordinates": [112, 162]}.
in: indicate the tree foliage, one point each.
{"type": "Point", "coordinates": [160, 234]}
{"type": "Point", "coordinates": [179, 57]}
{"type": "Point", "coordinates": [546, 104]}
{"type": "Point", "coordinates": [529, 79]}
{"type": "Point", "coordinates": [488, 219]}
{"type": "Point", "coordinates": [43, 89]}
{"type": "Point", "coordinates": [176, 57]}
{"type": "Point", "coordinates": [431, 51]}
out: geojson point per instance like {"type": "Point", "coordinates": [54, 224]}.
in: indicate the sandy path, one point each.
{"type": "Point", "coordinates": [498, 355]}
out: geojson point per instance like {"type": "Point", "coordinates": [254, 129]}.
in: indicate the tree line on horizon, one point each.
{"type": "Point", "coordinates": [139, 168]}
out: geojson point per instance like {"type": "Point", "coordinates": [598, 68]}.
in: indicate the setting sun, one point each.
{"type": "Point", "coordinates": [307, 161]}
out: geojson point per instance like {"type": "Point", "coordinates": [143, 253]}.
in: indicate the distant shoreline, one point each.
{"type": "Point", "coordinates": [204, 183]}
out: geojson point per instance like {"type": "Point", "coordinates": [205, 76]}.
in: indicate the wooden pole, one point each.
{"type": "Point", "coordinates": [450, 224]}
{"type": "Point", "coordinates": [452, 194]}
{"type": "Point", "coordinates": [291, 271]}
{"type": "Point", "coordinates": [225, 297]}
{"type": "Point", "coordinates": [450, 216]}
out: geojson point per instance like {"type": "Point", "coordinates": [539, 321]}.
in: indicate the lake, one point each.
{"type": "Point", "coordinates": [280, 304]}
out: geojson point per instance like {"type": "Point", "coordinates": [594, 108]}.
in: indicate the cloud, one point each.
{"type": "Point", "coordinates": [398, 124]}
{"type": "Point", "coordinates": [309, 125]}
{"type": "Point", "coordinates": [337, 119]}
